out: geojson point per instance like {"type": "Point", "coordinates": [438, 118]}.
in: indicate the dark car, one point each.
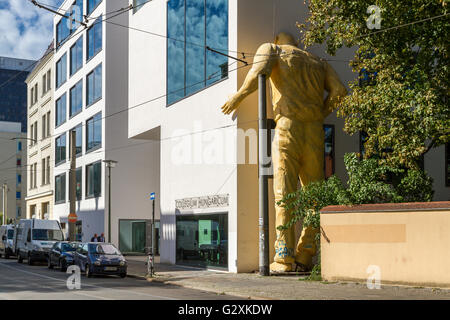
{"type": "Point", "coordinates": [100, 258]}
{"type": "Point", "coordinates": [61, 255]}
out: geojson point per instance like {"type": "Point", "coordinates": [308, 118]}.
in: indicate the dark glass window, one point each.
{"type": "Point", "coordinates": [60, 110]}
{"type": "Point", "coordinates": [62, 31]}
{"type": "Point", "coordinates": [94, 179]}
{"type": "Point", "coordinates": [91, 5]}
{"type": "Point", "coordinates": [78, 139]}
{"type": "Point", "coordinates": [202, 240]}
{"type": "Point", "coordinates": [94, 39]}
{"type": "Point", "coordinates": [94, 132]}
{"type": "Point", "coordinates": [60, 188]}
{"type": "Point", "coordinates": [191, 26]}
{"type": "Point", "coordinates": [76, 56]}
{"type": "Point", "coordinates": [18, 195]}
{"type": "Point", "coordinates": [329, 150]}
{"type": "Point", "coordinates": [78, 185]}
{"type": "Point", "coordinates": [94, 85]}
{"type": "Point", "coordinates": [76, 98]}
{"type": "Point", "coordinates": [60, 149]}
{"type": "Point", "coordinates": [363, 137]}
{"type": "Point", "coordinates": [137, 4]}
{"type": "Point", "coordinates": [61, 70]}
{"type": "Point", "coordinates": [76, 14]}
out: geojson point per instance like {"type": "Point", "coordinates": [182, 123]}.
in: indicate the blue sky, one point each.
{"type": "Point", "coordinates": [25, 30]}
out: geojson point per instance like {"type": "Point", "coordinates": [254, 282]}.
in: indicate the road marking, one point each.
{"type": "Point", "coordinates": [86, 285]}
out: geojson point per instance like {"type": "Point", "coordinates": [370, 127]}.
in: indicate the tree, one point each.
{"type": "Point", "coordinates": [401, 97]}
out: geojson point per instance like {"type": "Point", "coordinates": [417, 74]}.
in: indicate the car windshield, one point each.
{"type": "Point", "coordinates": [66, 247]}
{"type": "Point", "coordinates": [10, 234]}
{"type": "Point", "coordinates": [48, 235]}
{"type": "Point", "coordinates": [107, 249]}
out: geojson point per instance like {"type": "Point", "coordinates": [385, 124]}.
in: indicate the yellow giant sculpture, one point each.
{"type": "Point", "coordinates": [298, 80]}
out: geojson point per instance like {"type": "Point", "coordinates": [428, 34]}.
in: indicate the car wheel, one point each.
{"type": "Point", "coordinates": [30, 261]}
{"type": "Point", "coordinates": [62, 265]}
{"type": "Point", "coordinates": [123, 275]}
{"type": "Point", "coordinates": [6, 256]}
{"type": "Point", "coordinates": [87, 271]}
{"type": "Point", "coordinates": [19, 257]}
{"type": "Point", "coordinates": [49, 263]}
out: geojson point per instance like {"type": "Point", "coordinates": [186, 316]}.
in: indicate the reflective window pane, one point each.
{"type": "Point", "coordinates": [195, 45]}
{"type": "Point", "coordinates": [76, 56]}
{"type": "Point", "coordinates": [94, 85]}
{"type": "Point", "coordinates": [94, 39]}
{"type": "Point", "coordinates": [76, 99]}
{"type": "Point", "coordinates": [61, 70]}
{"type": "Point", "coordinates": [175, 50]}
{"type": "Point", "coordinates": [60, 110]}
{"type": "Point", "coordinates": [94, 132]}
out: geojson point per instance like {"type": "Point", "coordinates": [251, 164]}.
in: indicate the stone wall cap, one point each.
{"type": "Point", "coordinates": [380, 207]}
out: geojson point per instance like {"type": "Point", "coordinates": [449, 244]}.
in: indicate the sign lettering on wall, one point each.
{"type": "Point", "coordinates": [215, 201]}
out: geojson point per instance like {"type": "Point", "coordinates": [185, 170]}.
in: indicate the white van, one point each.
{"type": "Point", "coordinates": [34, 238]}
{"type": "Point", "coordinates": [6, 241]}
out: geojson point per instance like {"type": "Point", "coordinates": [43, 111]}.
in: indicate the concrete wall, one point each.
{"type": "Point", "coordinates": [405, 243]}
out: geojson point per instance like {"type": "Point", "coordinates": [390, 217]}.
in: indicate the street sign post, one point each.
{"type": "Point", "coordinates": [152, 262]}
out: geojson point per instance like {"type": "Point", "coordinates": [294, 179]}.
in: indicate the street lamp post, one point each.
{"type": "Point", "coordinates": [109, 164]}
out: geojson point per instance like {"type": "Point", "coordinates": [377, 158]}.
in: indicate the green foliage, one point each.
{"type": "Point", "coordinates": [403, 107]}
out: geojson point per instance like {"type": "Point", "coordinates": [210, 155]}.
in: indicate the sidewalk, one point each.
{"type": "Point", "coordinates": [253, 286]}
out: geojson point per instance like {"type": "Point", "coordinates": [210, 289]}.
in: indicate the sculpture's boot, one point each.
{"type": "Point", "coordinates": [306, 248]}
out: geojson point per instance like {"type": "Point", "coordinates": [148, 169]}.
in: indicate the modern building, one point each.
{"type": "Point", "coordinates": [13, 170]}
{"type": "Point", "coordinates": [13, 90]}
{"type": "Point", "coordinates": [207, 172]}
{"type": "Point", "coordinates": [91, 98]}
{"type": "Point", "coordinates": [39, 142]}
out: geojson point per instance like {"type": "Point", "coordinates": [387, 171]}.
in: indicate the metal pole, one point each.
{"type": "Point", "coordinates": [263, 180]}
{"type": "Point", "coordinates": [3, 204]}
{"type": "Point", "coordinates": [73, 183]}
{"type": "Point", "coordinates": [153, 240]}
{"type": "Point", "coordinates": [109, 203]}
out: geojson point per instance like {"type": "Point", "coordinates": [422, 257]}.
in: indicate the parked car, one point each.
{"type": "Point", "coordinates": [6, 240]}
{"type": "Point", "coordinates": [61, 255]}
{"type": "Point", "coordinates": [33, 239]}
{"type": "Point", "coordinates": [100, 258]}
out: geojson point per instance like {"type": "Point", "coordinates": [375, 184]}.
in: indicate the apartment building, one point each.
{"type": "Point", "coordinates": [13, 172]}
{"type": "Point", "coordinates": [91, 98]}
{"type": "Point", "coordinates": [207, 172]}
{"type": "Point", "coordinates": [40, 137]}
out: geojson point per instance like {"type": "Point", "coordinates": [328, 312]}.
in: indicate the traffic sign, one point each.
{"type": "Point", "coordinates": [72, 218]}
{"type": "Point", "coordinates": [152, 196]}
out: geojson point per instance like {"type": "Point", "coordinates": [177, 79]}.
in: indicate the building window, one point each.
{"type": "Point", "coordinates": [48, 170]}
{"type": "Point", "coordinates": [61, 70]}
{"type": "Point", "coordinates": [76, 56]}
{"type": "Point", "coordinates": [44, 83]}
{"type": "Point", "coordinates": [35, 176]}
{"type": "Point", "coordinates": [45, 210]}
{"type": "Point", "coordinates": [19, 162]}
{"type": "Point", "coordinates": [34, 94]}
{"type": "Point", "coordinates": [94, 85]}
{"type": "Point", "coordinates": [61, 110]}
{"type": "Point", "coordinates": [18, 195]}
{"type": "Point", "coordinates": [78, 183]}
{"type": "Point", "coordinates": [447, 164]}
{"type": "Point", "coordinates": [329, 150]}
{"type": "Point", "coordinates": [19, 179]}
{"type": "Point", "coordinates": [60, 150]}
{"type": "Point", "coordinates": [19, 146]}
{"type": "Point", "coordinates": [202, 240]}
{"type": "Point", "coordinates": [94, 132]}
{"type": "Point", "coordinates": [91, 5]}
{"type": "Point", "coordinates": [44, 126]}
{"type": "Point", "coordinates": [48, 124]}
{"type": "Point", "coordinates": [49, 80]}
{"type": "Point", "coordinates": [76, 14]}
{"type": "Point", "coordinates": [94, 39]}
{"type": "Point", "coordinates": [76, 99]}
{"type": "Point", "coordinates": [43, 174]}
{"type": "Point", "coordinates": [191, 67]}
{"type": "Point", "coordinates": [94, 180]}
{"type": "Point", "coordinates": [62, 31]}
{"type": "Point", "coordinates": [60, 188]}
{"type": "Point", "coordinates": [137, 4]}
{"type": "Point", "coordinates": [78, 140]}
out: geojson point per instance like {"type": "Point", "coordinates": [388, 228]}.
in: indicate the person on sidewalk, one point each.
{"type": "Point", "coordinates": [298, 80]}
{"type": "Point", "coordinates": [101, 238]}
{"type": "Point", "coordinates": [94, 238]}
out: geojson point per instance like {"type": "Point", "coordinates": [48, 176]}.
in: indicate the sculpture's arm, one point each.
{"type": "Point", "coordinates": [335, 88]}
{"type": "Point", "coordinates": [264, 60]}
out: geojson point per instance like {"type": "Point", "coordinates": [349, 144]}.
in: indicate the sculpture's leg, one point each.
{"type": "Point", "coordinates": [285, 157]}
{"type": "Point", "coordinates": [310, 171]}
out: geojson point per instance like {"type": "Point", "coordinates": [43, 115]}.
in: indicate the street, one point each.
{"type": "Point", "coordinates": [24, 282]}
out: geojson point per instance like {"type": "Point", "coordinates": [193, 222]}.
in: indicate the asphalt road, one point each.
{"type": "Point", "coordinates": [24, 282]}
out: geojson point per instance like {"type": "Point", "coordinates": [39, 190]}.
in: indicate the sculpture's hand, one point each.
{"type": "Point", "coordinates": [230, 106]}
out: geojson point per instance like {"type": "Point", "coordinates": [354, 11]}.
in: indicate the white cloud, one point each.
{"type": "Point", "coordinates": [25, 30]}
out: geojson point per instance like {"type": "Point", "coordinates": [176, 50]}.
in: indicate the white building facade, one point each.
{"type": "Point", "coordinates": [39, 138]}
{"type": "Point", "coordinates": [91, 95]}
{"type": "Point", "coordinates": [207, 173]}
